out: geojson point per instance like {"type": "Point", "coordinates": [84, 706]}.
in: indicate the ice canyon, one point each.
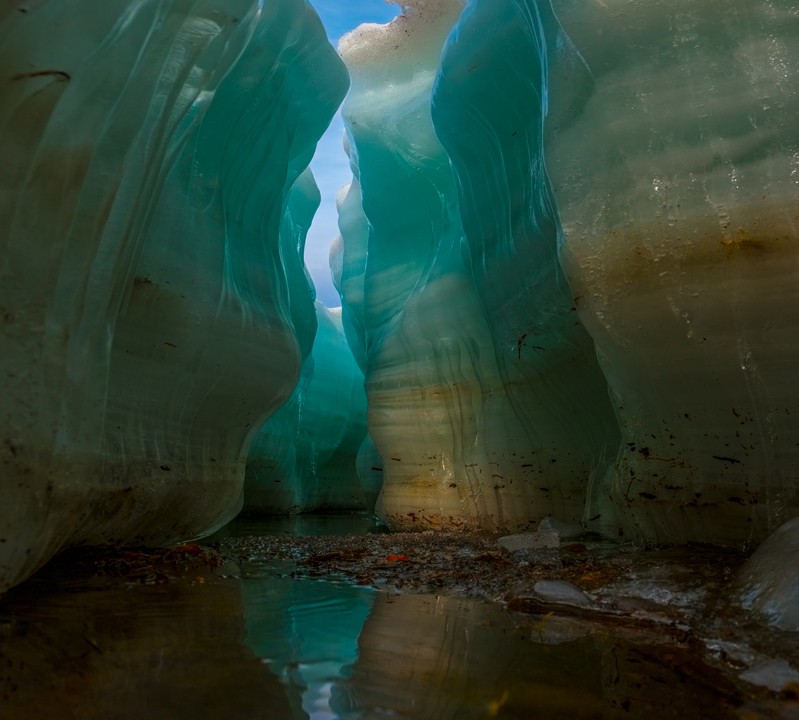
{"type": "Point", "coordinates": [568, 266]}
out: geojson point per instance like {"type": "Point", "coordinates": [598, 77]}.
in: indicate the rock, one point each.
{"type": "Point", "coordinates": [541, 540]}
{"type": "Point", "coordinates": [776, 675]}
{"type": "Point", "coordinates": [560, 591]}
{"type": "Point", "coordinates": [565, 530]}
{"type": "Point", "coordinates": [768, 583]}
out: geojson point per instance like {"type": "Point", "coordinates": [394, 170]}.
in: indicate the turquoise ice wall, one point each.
{"type": "Point", "coordinates": [571, 220]}
{"type": "Point", "coordinates": [155, 308]}
{"type": "Point", "coordinates": [486, 402]}
{"type": "Point", "coordinates": [568, 269]}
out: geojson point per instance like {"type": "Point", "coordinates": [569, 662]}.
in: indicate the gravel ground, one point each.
{"type": "Point", "coordinates": [594, 576]}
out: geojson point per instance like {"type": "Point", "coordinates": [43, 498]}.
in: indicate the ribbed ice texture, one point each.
{"type": "Point", "coordinates": [152, 313]}
{"type": "Point", "coordinates": [304, 458]}
{"type": "Point", "coordinates": [673, 147]}
{"type": "Point", "coordinates": [485, 400]}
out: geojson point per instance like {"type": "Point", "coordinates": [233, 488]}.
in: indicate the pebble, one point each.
{"type": "Point", "coordinates": [541, 540]}
{"type": "Point", "coordinates": [560, 591]}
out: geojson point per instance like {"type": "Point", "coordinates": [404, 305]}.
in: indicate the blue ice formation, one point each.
{"type": "Point", "coordinates": [486, 402]}
{"type": "Point", "coordinates": [154, 307]}
{"type": "Point", "coordinates": [568, 268]}
{"type": "Point", "coordinates": [304, 457]}
{"type": "Point", "coordinates": [540, 186]}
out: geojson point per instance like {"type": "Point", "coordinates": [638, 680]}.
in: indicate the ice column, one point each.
{"type": "Point", "coordinates": [485, 401]}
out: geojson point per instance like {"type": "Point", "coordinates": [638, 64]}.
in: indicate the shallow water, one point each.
{"type": "Point", "coordinates": [260, 640]}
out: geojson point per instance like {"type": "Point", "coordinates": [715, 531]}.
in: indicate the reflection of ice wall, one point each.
{"type": "Point", "coordinates": [155, 651]}
{"type": "Point", "coordinates": [307, 631]}
{"type": "Point", "coordinates": [673, 146]}
{"type": "Point", "coordinates": [152, 314]}
{"type": "Point", "coordinates": [485, 401]}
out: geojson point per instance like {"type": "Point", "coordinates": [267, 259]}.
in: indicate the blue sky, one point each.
{"type": "Point", "coordinates": [330, 163]}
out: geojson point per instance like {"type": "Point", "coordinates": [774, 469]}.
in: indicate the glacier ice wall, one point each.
{"type": "Point", "coordinates": [304, 457]}
{"type": "Point", "coordinates": [673, 149]}
{"type": "Point", "coordinates": [526, 171]}
{"type": "Point", "coordinates": [486, 403]}
{"type": "Point", "coordinates": [154, 308]}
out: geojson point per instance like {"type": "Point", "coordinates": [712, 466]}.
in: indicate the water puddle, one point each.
{"type": "Point", "coordinates": [259, 638]}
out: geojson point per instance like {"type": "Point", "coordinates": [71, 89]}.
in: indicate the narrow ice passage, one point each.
{"type": "Point", "coordinates": [568, 270]}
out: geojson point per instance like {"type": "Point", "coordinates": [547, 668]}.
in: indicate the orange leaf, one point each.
{"type": "Point", "coordinates": [191, 548]}
{"type": "Point", "coordinates": [397, 558]}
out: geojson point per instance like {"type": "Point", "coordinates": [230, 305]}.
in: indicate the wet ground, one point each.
{"type": "Point", "coordinates": [263, 622]}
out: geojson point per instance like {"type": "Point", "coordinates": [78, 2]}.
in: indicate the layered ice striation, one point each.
{"type": "Point", "coordinates": [568, 268]}
{"type": "Point", "coordinates": [486, 403]}
{"type": "Point", "coordinates": [673, 148]}
{"type": "Point", "coordinates": [154, 308]}
{"type": "Point", "coordinates": [528, 173]}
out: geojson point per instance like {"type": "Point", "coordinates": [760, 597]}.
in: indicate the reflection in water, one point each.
{"type": "Point", "coordinates": [113, 650]}
{"type": "Point", "coordinates": [444, 658]}
{"type": "Point", "coordinates": [349, 653]}
{"type": "Point", "coordinates": [207, 645]}
{"type": "Point", "coordinates": [307, 630]}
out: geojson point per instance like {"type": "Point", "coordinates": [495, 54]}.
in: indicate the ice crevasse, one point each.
{"type": "Point", "coordinates": [304, 458]}
{"type": "Point", "coordinates": [568, 269]}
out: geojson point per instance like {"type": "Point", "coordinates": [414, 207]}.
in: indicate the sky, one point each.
{"type": "Point", "coordinates": [330, 166]}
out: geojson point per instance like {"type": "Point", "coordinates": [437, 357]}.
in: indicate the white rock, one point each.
{"type": "Point", "coordinates": [541, 540]}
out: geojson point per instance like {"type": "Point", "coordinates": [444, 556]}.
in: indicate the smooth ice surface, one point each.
{"type": "Point", "coordinates": [673, 148]}
{"type": "Point", "coordinates": [154, 308]}
{"type": "Point", "coordinates": [486, 404]}
{"type": "Point", "coordinates": [304, 457]}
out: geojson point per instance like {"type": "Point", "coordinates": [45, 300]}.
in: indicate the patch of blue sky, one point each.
{"type": "Point", "coordinates": [330, 166]}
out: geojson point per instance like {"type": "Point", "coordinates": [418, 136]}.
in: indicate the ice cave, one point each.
{"type": "Point", "coordinates": [568, 270]}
